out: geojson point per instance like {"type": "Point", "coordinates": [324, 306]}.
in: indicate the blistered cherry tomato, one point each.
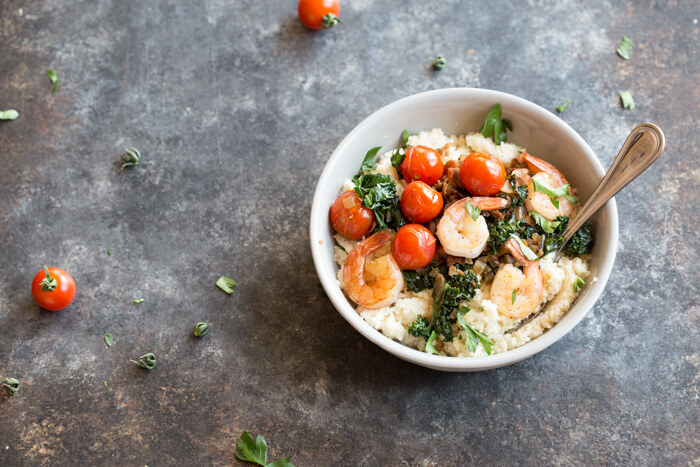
{"type": "Point", "coordinates": [482, 174]}
{"type": "Point", "coordinates": [420, 203]}
{"type": "Point", "coordinates": [422, 163]}
{"type": "Point", "coordinates": [413, 247]}
{"type": "Point", "coordinates": [318, 14]}
{"type": "Point", "coordinates": [53, 289]}
{"type": "Point", "coordinates": [349, 217]}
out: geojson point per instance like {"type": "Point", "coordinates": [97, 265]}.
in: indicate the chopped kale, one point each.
{"type": "Point", "coordinates": [500, 231]}
{"type": "Point", "coordinates": [420, 328]}
{"type": "Point", "coordinates": [416, 282]}
{"type": "Point", "coordinates": [581, 243]}
{"type": "Point", "coordinates": [378, 192]}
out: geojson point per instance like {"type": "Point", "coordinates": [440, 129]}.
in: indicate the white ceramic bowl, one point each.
{"type": "Point", "coordinates": [458, 111]}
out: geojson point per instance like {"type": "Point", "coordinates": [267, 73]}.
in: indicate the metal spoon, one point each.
{"type": "Point", "coordinates": [642, 147]}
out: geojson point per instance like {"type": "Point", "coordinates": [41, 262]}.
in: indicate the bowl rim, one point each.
{"type": "Point", "coordinates": [446, 363]}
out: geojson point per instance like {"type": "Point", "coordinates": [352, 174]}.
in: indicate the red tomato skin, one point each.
{"type": "Point", "coordinates": [422, 163]}
{"type": "Point", "coordinates": [354, 222]}
{"type": "Point", "coordinates": [413, 247]}
{"type": "Point", "coordinates": [60, 297]}
{"type": "Point", "coordinates": [420, 203]}
{"type": "Point", "coordinates": [311, 12]}
{"type": "Point", "coordinates": [482, 174]}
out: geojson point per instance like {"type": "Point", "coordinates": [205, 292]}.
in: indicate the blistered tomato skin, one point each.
{"type": "Point", "coordinates": [349, 217]}
{"type": "Point", "coordinates": [422, 163]}
{"type": "Point", "coordinates": [413, 247]}
{"type": "Point", "coordinates": [420, 203]}
{"type": "Point", "coordinates": [482, 174]}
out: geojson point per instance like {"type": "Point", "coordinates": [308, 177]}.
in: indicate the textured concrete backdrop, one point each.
{"type": "Point", "coordinates": [236, 107]}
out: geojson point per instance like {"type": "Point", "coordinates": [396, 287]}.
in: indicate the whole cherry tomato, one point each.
{"type": "Point", "coordinates": [482, 174]}
{"type": "Point", "coordinates": [53, 289]}
{"type": "Point", "coordinates": [413, 246]}
{"type": "Point", "coordinates": [422, 163]}
{"type": "Point", "coordinates": [349, 217]}
{"type": "Point", "coordinates": [420, 203]}
{"type": "Point", "coordinates": [319, 14]}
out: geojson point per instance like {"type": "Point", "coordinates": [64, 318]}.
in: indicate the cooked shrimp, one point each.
{"type": "Point", "coordinates": [549, 175]}
{"type": "Point", "coordinates": [517, 294]}
{"type": "Point", "coordinates": [459, 234]}
{"type": "Point", "coordinates": [373, 280]}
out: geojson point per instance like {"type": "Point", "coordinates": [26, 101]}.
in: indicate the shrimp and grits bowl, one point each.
{"type": "Point", "coordinates": [445, 243]}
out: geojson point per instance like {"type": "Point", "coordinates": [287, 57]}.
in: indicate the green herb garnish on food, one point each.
{"type": "Point", "coordinates": [547, 225]}
{"type": "Point", "coordinates": [378, 193]}
{"type": "Point", "coordinates": [12, 385]}
{"type": "Point", "coordinates": [563, 106]}
{"type": "Point", "coordinates": [131, 157]}
{"type": "Point", "coordinates": [429, 346]}
{"type": "Point", "coordinates": [404, 139]}
{"type": "Point", "coordinates": [139, 300]}
{"type": "Point", "coordinates": [473, 211]}
{"type": "Point", "coordinates": [417, 282]}
{"type": "Point", "coordinates": [438, 62]}
{"type": "Point", "coordinates": [527, 252]}
{"type": "Point", "coordinates": [513, 296]}
{"type": "Point", "coordinates": [553, 193]}
{"type": "Point", "coordinates": [53, 77]}
{"type": "Point", "coordinates": [625, 48]}
{"type": "Point", "coordinates": [578, 283]}
{"type": "Point", "coordinates": [494, 126]}
{"type": "Point", "coordinates": [626, 100]}
{"type": "Point", "coordinates": [500, 231]}
{"type": "Point", "coordinates": [147, 361]}
{"type": "Point", "coordinates": [581, 242]}
{"type": "Point", "coordinates": [368, 162]}
{"type": "Point", "coordinates": [397, 157]}
{"type": "Point", "coordinates": [9, 114]}
{"type": "Point", "coordinates": [473, 337]}
{"type": "Point", "coordinates": [201, 329]}
{"type": "Point", "coordinates": [226, 284]}
{"type": "Point", "coordinates": [108, 340]}
{"type": "Point", "coordinates": [255, 451]}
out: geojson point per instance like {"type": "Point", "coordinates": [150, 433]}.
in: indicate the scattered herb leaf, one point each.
{"type": "Point", "coordinates": [578, 283]}
{"type": "Point", "coordinates": [105, 383]}
{"type": "Point", "coordinates": [473, 211]}
{"type": "Point", "coordinates": [404, 139]}
{"type": "Point", "coordinates": [494, 126]}
{"type": "Point", "coordinates": [147, 361]}
{"type": "Point", "coordinates": [626, 100]}
{"type": "Point", "coordinates": [53, 77]}
{"type": "Point", "coordinates": [368, 162]}
{"type": "Point", "coordinates": [201, 329]}
{"type": "Point", "coordinates": [12, 385]}
{"type": "Point", "coordinates": [513, 296]}
{"type": "Point", "coordinates": [438, 62]}
{"type": "Point", "coordinates": [131, 157]}
{"type": "Point", "coordinates": [625, 48]}
{"type": "Point", "coordinates": [109, 252]}
{"type": "Point", "coordinates": [10, 114]}
{"type": "Point", "coordinates": [547, 225]}
{"type": "Point", "coordinates": [473, 337]}
{"type": "Point", "coordinates": [563, 106]}
{"type": "Point", "coordinates": [527, 252]}
{"type": "Point", "coordinates": [139, 300]}
{"type": "Point", "coordinates": [108, 340]}
{"type": "Point", "coordinates": [226, 284]}
{"type": "Point", "coordinates": [255, 451]}
{"type": "Point", "coordinates": [429, 347]}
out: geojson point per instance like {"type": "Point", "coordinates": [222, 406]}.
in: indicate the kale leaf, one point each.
{"type": "Point", "coordinates": [416, 282]}
{"type": "Point", "coordinates": [420, 328]}
{"type": "Point", "coordinates": [378, 193]}
{"type": "Point", "coordinates": [500, 231]}
{"type": "Point", "coordinates": [581, 243]}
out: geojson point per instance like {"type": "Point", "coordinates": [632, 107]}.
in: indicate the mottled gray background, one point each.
{"type": "Point", "coordinates": [236, 107]}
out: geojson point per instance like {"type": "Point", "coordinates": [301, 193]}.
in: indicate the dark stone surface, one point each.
{"type": "Point", "coordinates": [236, 107]}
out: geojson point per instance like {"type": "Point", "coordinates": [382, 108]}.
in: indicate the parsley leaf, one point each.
{"type": "Point", "coordinates": [472, 335]}
{"type": "Point", "coordinates": [109, 251]}
{"type": "Point", "coordinates": [429, 347]}
{"type": "Point", "coordinates": [626, 100]}
{"type": "Point", "coordinates": [53, 77]}
{"type": "Point", "coordinates": [563, 107]}
{"type": "Point", "coordinates": [10, 114]}
{"type": "Point", "coordinates": [108, 340]}
{"type": "Point", "coordinates": [527, 252]}
{"type": "Point", "coordinates": [378, 193]}
{"type": "Point", "coordinates": [438, 62]}
{"type": "Point", "coordinates": [547, 225]}
{"type": "Point", "coordinates": [625, 48]}
{"type": "Point", "coordinates": [139, 300]}
{"type": "Point", "coordinates": [226, 284]}
{"type": "Point", "coordinates": [368, 162]}
{"type": "Point", "coordinates": [473, 211]}
{"type": "Point", "coordinates": [494, 126]}
{"type": "Point", "coordinates": [255, 451]}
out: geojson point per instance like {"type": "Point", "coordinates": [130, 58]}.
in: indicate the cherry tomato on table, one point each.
{"type": "Point", "coordinates": [53, 289]}
{"type": "Point", "coordinates": [319, 14]}
{"type": "Point", "coordinates": [349, 217]}
{"type": "Point", "coordinates": [420, 203]}
{"type": "Point", "coordinates": [422, 163]}
{"type": "Point", "coordinates": [482, 174]}
{"type": "Point", "coordinates": [413, 247]}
